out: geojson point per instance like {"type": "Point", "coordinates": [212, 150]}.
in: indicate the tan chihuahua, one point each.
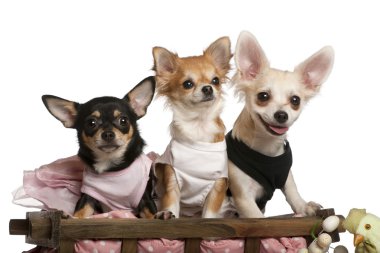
{"type": "Point", "coordinates": [192, 173]}
{"type": "Point", "coordinates": [259, 154]}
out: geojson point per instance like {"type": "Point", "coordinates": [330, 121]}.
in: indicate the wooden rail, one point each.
{"type": "Point", "coordinates": [50, 229]}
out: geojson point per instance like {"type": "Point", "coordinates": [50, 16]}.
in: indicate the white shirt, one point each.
{"type": "Point", "coordinates": [197, 166]}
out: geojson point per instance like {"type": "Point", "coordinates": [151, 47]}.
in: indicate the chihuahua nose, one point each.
{"type": "Point", "coordinates": [207, 90]}
{"type": "Point", "coordinates": [281, 116]}
{"type": "Point", "coordinates": [108, 135]}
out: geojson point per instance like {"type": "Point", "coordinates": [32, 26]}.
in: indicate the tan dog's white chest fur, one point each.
{"type": "Point", "coordinates": [196, 125]}
{"type": "Point", "coordinates": [274, 100]}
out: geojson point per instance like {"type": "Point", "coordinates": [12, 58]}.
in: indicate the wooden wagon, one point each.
{"type": "Point", "coordinates": [51, 229]}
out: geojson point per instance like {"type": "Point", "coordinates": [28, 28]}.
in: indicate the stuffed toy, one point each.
{"type": "Point", "coordinates": [366, 230]}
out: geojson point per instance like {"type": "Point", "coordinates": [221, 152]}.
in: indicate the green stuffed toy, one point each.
{"type": "Point", "coordinates": [366, 230]}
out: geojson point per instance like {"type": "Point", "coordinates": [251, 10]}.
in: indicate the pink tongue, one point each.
{"type": "Point", "coordinates": [279, 130]}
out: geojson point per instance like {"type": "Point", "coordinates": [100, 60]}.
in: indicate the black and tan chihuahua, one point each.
{"type": "Point", "coordinates": [118, 173]}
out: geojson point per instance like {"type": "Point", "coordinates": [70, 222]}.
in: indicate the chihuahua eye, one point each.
{"type": "Point", "coordinates": [92, 123]}
{"type": "Point", "coordinates": [123, 121]}
{"type": "Point", "coordinates": [215, 81]}
{"type": "Point", "coordinates": [263, 96]}
{"type": "Point", "coordinates": [188, 84]}
{"type": "Point", "coordinates": [295, 100]}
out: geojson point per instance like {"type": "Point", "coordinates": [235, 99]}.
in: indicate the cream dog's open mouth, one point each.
{"type": "Point", "coordinates": [275, 130]}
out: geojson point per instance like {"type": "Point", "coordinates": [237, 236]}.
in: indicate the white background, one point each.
{"type": "Point", "coordinates": [81, 49]}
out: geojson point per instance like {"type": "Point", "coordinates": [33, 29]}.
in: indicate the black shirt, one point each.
{"type": "Point", "coordinates": [270, 172]}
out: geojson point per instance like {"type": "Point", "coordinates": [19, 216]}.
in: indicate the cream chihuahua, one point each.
{"type": "Point", "coordinates": [192, 173]}
{"type": "Point", "coordinates": [259, 154]}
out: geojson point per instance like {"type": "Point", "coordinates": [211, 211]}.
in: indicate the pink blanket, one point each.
{"type": "Point", "coordinates": [57, 186]}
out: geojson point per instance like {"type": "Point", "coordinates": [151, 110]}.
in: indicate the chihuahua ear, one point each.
{"type": "Point", "coordinates": [250, 58]}
{"type": "Point", "coordinates": [220, 52]}
{"type": "Point", "coordinates": [64, 110]}
{"type": "Point", "coordinates": [141, 95]}
{"type": "Point", "coordinates": [164, 61]}
{"type": "Point", "coordinates": [315, 70]}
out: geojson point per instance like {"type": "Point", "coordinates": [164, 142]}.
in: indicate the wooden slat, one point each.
{"type": "Point", "coordinates": [40, 229]}
{"type": "Point", "coordinates": [192, 245]}
{"type": "Point", "coordinates": [187, 228]}
{"type": "Point", "coordinates": [129, 246]}
{"type": "Point", "coordinates": [66, 246]}
{"type": "Point", "coordinates": [18, 227]}
{"type": "Point", "coordinates": [44, 228]}
{"type": "Point", "coordinates": [252, 245]}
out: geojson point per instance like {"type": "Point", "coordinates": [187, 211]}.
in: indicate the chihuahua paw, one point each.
{"type": "Point", "coordinates": [311, 208]}
{"type": "Point", "coordinates": [164, 215]}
